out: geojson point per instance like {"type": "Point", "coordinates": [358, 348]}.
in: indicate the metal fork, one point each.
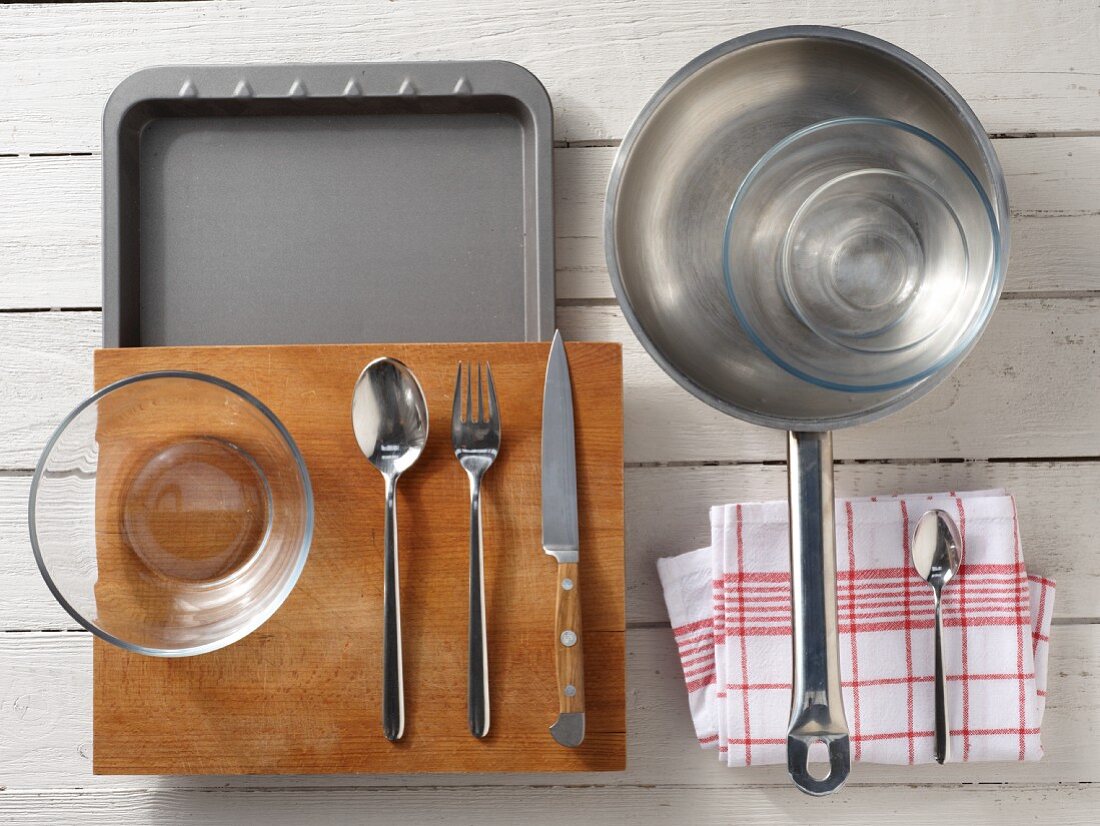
{"type": "Point", "coordinates": [476, 443]}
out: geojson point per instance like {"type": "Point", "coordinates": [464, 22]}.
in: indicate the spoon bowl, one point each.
{"type": "Point", "coordinates": [935, 548]}
{"type": "Point", "coordinates": [390, 416]}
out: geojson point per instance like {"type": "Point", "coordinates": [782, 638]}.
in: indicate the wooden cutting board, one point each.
{"type": "Point", "coordinates": [303, 693]}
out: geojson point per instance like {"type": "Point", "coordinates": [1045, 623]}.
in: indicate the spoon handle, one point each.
{"type": "Point", "coordinates": [393, 690]}
{"type": "Point", "coordinates": [942, 731]}
{"type": "Point", "coordinates": [477, 685]}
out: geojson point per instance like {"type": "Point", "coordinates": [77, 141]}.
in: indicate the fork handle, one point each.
{"type": "Point", "coordinates": [477, 684]}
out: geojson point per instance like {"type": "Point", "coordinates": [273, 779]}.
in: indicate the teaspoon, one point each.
{"type": "Point", "coordinates": [935, 553]}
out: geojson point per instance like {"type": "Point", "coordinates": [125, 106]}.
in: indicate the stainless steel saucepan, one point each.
{"type": "Point", "coordinates": [669, 195]}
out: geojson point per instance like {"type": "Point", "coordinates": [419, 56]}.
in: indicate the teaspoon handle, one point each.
{"type": "Point", "coordinates": [942, 731]}
{"type": "Point", "coordinates": [393, 692]}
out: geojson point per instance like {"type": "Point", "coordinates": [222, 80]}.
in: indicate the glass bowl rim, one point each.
{"type": "Point", "coordinates": [977, 325]}
{"type": "Point", "coordinates": [307, 500]}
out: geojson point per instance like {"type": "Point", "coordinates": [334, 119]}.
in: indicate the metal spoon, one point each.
{"type": "Point", "coordinates": [935, 554]}
{"type": "Point", "coordinates": [390, 418]}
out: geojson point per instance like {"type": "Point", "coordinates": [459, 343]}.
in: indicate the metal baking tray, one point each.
{"type": "Point", "coordinates": [328, 203]}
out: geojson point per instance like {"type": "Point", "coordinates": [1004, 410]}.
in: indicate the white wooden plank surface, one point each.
{"type": "Point", "coordinates": [1008, 376]}
{"type": "Point", "coordinates": [1030, 374]}
{"type": "Point", "coordinates": [554, 806]}
{"type": "Point", "coordinates": [47, 370]}
{"type": "Point", "coordinates": [49, 235]}
{"type": "Point", "coordinates": [1031, 390]}
{"type": "Point", "coordinates": [1035, 351]}
{"type": "Point", "coordinates": [1022, 66]}
{"type": "Point", "coordinates": [50, 257]}
{"type": "Point", "coordinates": [25, 602]}
{"type": "Point", "coordinates": [666, 514]}
{"type": "Point", "coordinates": [45, 709]}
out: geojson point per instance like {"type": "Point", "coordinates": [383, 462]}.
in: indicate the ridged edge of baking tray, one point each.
{"type": "Point", "coordinates": [266, 86]}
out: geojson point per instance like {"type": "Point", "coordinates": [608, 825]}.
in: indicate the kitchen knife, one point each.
{"type": "Point", "coordinates": [561, 540]}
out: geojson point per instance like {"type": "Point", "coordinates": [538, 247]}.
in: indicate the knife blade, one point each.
{"type": "Point", "coordinates": [561, 540]}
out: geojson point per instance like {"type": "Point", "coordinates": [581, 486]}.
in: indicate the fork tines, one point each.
{"type": "Point", "coordinates": [486, 413]}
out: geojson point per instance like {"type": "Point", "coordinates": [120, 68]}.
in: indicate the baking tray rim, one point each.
{"type": "Point", "coordinates": [411, 81]}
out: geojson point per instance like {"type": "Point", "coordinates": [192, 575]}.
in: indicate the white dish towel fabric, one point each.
{"type": "Point", "coordinates": [729, 605]}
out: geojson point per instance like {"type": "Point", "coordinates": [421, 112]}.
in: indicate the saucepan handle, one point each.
{"type": "Point", "coordinates": [817, 708]}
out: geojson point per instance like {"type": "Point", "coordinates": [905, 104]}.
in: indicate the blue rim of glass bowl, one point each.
{"type": "Point", "coordinates": [303, 552]}
{"type": "Point", "coordinates": [976, 325]}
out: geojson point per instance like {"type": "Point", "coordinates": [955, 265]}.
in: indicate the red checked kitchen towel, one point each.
{"type": "Point", "coordinates": [730, 610]}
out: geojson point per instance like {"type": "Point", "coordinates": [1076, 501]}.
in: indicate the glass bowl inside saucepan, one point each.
{"type": "Point", "coordinates": [862, 254]}
{"type": "Point", "coordinates": [171, 513]}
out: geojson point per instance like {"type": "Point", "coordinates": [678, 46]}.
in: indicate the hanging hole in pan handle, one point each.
{"type": "Point", "coordinates": [799, 766]}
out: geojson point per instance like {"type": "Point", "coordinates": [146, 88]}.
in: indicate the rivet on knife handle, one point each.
{"type": "Point", "coordinates": [569, 659]}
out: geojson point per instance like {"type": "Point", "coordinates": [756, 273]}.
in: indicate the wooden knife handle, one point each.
{"type": "Point", "coordinates": [568, 643]}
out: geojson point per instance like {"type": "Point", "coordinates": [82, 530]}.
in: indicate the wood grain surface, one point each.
{"type": "Point", "coordinates": [1020, 413]}
{"type": "Point", "coordinates": [302, 694]}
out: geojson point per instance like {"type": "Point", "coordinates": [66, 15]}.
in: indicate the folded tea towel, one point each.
{"type": "Point", "coordinates": [729, 605]}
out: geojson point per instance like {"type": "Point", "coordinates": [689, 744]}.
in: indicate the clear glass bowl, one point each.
{"type": "Point", "coordinates": [171, 513]}
{"type": "Point", "coordinates": [862, 254]}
